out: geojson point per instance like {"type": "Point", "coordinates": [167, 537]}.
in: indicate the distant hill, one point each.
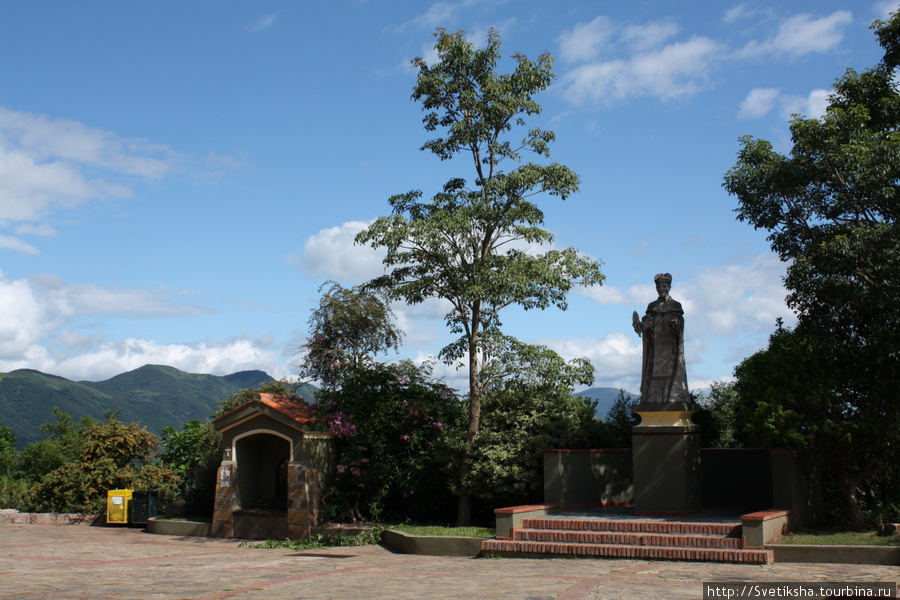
{"type": "Point", "coordinates": [605, 398]}
{"type": "Point", "coordinates": [155, 396]}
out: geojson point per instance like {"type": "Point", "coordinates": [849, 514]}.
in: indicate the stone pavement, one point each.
{"type": "Point", "coordinates": [46, 562]}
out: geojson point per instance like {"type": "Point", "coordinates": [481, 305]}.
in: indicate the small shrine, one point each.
{"type": "Point", "coordinates": [276, 457]}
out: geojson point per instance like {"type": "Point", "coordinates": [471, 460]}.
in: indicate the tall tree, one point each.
{"type": "Point", "coordinates": [470, 244]}
{"type": "Point", "coordinates": [832, 209]}
{"type": "Point", "coordinates": [347, 329]}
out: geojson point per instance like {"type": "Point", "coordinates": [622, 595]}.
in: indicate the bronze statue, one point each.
{"type": "Point", "coordinates": [663, 376]}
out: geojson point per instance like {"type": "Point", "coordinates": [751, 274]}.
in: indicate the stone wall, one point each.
{"type": "Point", "coordinates": [9, 515]}
{"type": "Point", "coordinates": [223, 509]}
{"type": "Point", "coordinates": [303, 501]}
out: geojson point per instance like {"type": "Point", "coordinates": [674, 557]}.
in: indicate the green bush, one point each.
{"type": "Point", "coordinates": [92, 458]}
{"type": "Point", "coordinates": [391, 424]}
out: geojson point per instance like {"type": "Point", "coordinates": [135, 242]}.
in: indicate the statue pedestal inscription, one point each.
{"type": "Point", "coordinates": [666, 443]}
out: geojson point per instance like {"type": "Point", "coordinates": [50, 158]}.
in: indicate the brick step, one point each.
{"type": "Point", "coordinates": [626, 538]}
{"type": "Point", "coordinates": [519, 548]}
{"type": "Point", "coordinates": [634, 526]}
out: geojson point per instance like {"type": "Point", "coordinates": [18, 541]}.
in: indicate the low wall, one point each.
{"type": "Point", "coordinates": [431, 545]}
{"type": "Point", "coordinates": [746, 478]}
{"type": "Point", "coordinates": [848, 555]}
{"type": "Point", "coordinates": [182, 528]}
{"type": "Point", "coordinates": [9, 515]}
{"type": "Point", "coordinates": [588, 477]}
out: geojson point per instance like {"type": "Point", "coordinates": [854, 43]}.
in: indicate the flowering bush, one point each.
{"type": "Point", "coordinates": [391, 422]}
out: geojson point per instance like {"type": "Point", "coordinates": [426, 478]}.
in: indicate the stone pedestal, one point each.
{"type": "Point", "coordinates": [666, 460]}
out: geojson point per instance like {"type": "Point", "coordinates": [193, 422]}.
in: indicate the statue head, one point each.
{"type": "Point", "coordinates": [663, 283]}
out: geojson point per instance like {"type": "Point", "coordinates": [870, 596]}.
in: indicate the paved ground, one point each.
{"type": "Point", "coordinates": [46, 562]}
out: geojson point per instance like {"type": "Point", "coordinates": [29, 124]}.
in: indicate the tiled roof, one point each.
{"type": "Point", "coordinates": [289, 406]}
{"type": "Point", "coordinates": [293, 408]}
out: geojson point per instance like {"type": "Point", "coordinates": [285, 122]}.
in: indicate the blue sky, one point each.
{"type": "Point", "coordinates": [177, 179]}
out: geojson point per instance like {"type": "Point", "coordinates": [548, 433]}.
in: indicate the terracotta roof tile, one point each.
{"type": "Point", "coordinates": [289, 406]}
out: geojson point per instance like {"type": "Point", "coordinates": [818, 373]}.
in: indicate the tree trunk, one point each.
{"type": "Point", "coordinates": [464, 507]}
{"type": "Point", "coordinates": [857, 522]}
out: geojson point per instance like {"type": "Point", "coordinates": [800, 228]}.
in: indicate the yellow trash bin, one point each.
{"type": "Point", "coordinates": [118, 506]}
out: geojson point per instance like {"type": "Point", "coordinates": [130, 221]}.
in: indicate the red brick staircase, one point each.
{"type": "Point", "coordinates": [650, 539]}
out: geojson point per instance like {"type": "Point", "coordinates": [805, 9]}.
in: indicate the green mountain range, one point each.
{"type": "Point", "coordinates": [154, 396]}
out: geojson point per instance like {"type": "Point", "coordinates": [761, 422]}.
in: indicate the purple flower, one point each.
{"type": "Point", "coordinates": [404, 437]}
{"type": "Point", "coordinates": [438, 424]}
{"type": "Point", "coordinates": [341, 468]}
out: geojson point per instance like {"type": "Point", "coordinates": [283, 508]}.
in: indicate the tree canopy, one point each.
{"type": "Point", "coordinates": [479, 244]}
{"type": "Point", "coordinates": [831, 208]}
{"type": "Point", "coordinates": [348, 328]}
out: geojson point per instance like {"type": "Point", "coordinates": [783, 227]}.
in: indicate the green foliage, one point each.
{"type": "Point", "coordinates": [472, 244]}
{"type": "Point", "coordinates": [194, 455]}
{"type": "Point", "coordinates": [109, 455]}
{"type": "Point", "coordinates": [528, 409]}
{"type": "Point", "coordinates": [348, 328]}
{"type": "Point", "coordinates": [719, 426]}
{"type": "Point", "coordinates": [391, 422]}
{"type": "Point", "coordinates": [801, 392]}
{"type": "Point", "coordinates": [61, 446]}
{"type": "Point", "coordinates": [11, 489]}
{"type": "Point", "coordinates": [8, 456]}
{"type": "Point", "coordinates": [620, 422]}
{"type": "Point", "coordinates": [831, 209]}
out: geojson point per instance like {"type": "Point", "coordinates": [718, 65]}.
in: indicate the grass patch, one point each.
{"type": "Point", "coordinates": [832, 537]}
{"type": "Point", "coordinates": [185, 519]}
{"type": "Point", "coordinates": [367, 538]}
{"type": "Point", "coordinates": [480, 532]}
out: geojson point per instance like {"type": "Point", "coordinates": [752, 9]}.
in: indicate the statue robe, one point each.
{"type": "Point", "coordinates": [664, 377]}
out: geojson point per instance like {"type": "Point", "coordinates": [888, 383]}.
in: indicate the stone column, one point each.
{"type": "Point", "coordinates": [222, 523]}
{"type": "Point", "coordinates": [666, 458]}
{"type": "Point", "coordinates": [303, 501]}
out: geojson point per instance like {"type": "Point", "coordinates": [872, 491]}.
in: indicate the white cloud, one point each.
{"type": "Point", "coordinates": [676, 70]}
{"type": "Point", "coordinates": [719, 300]}
{"type": "Point", "coordinates": [758, 103]}
{"type": "Point", "coordinates": [32, 309]}
{"type": "Point", "coordinates": [802, 34]}
{"type": "Point", "coordinates": [616, 357]}
{"type": "Point", "coordinates": [40, 230]}
{"type": "Point", "coordinates": [651, 35]}
{"type": "Point", "coordinates": [215, 358]}
{"type": "Point", "coordinates": [44, 138]}
{"type": "Point", "coordinates": [263, 22]}
{"type": "Point", "coordinates": [736, 13]}
{"type": "Point", "coordinates": [24, 319]}
{"type": "Point", "coordinates": [813, 106]}
{"type": "Point", "coordinates": [729, 311]}
{"type": "Point", "coordinates": [13, 243]}
{"type": "Point", "coordinates": [77, 299]}
{"type": "Point", "coordinates": [33, 334]}
{"type": "Point", "coordinates": [47, 164]}
{"type": "Point", "coordinates": [332, 254]}
{"type": "Point", "coordinates": [585, 40]}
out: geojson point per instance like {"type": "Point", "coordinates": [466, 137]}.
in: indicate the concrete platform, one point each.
{"type": "Point", "coordinates": [38, 562]}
